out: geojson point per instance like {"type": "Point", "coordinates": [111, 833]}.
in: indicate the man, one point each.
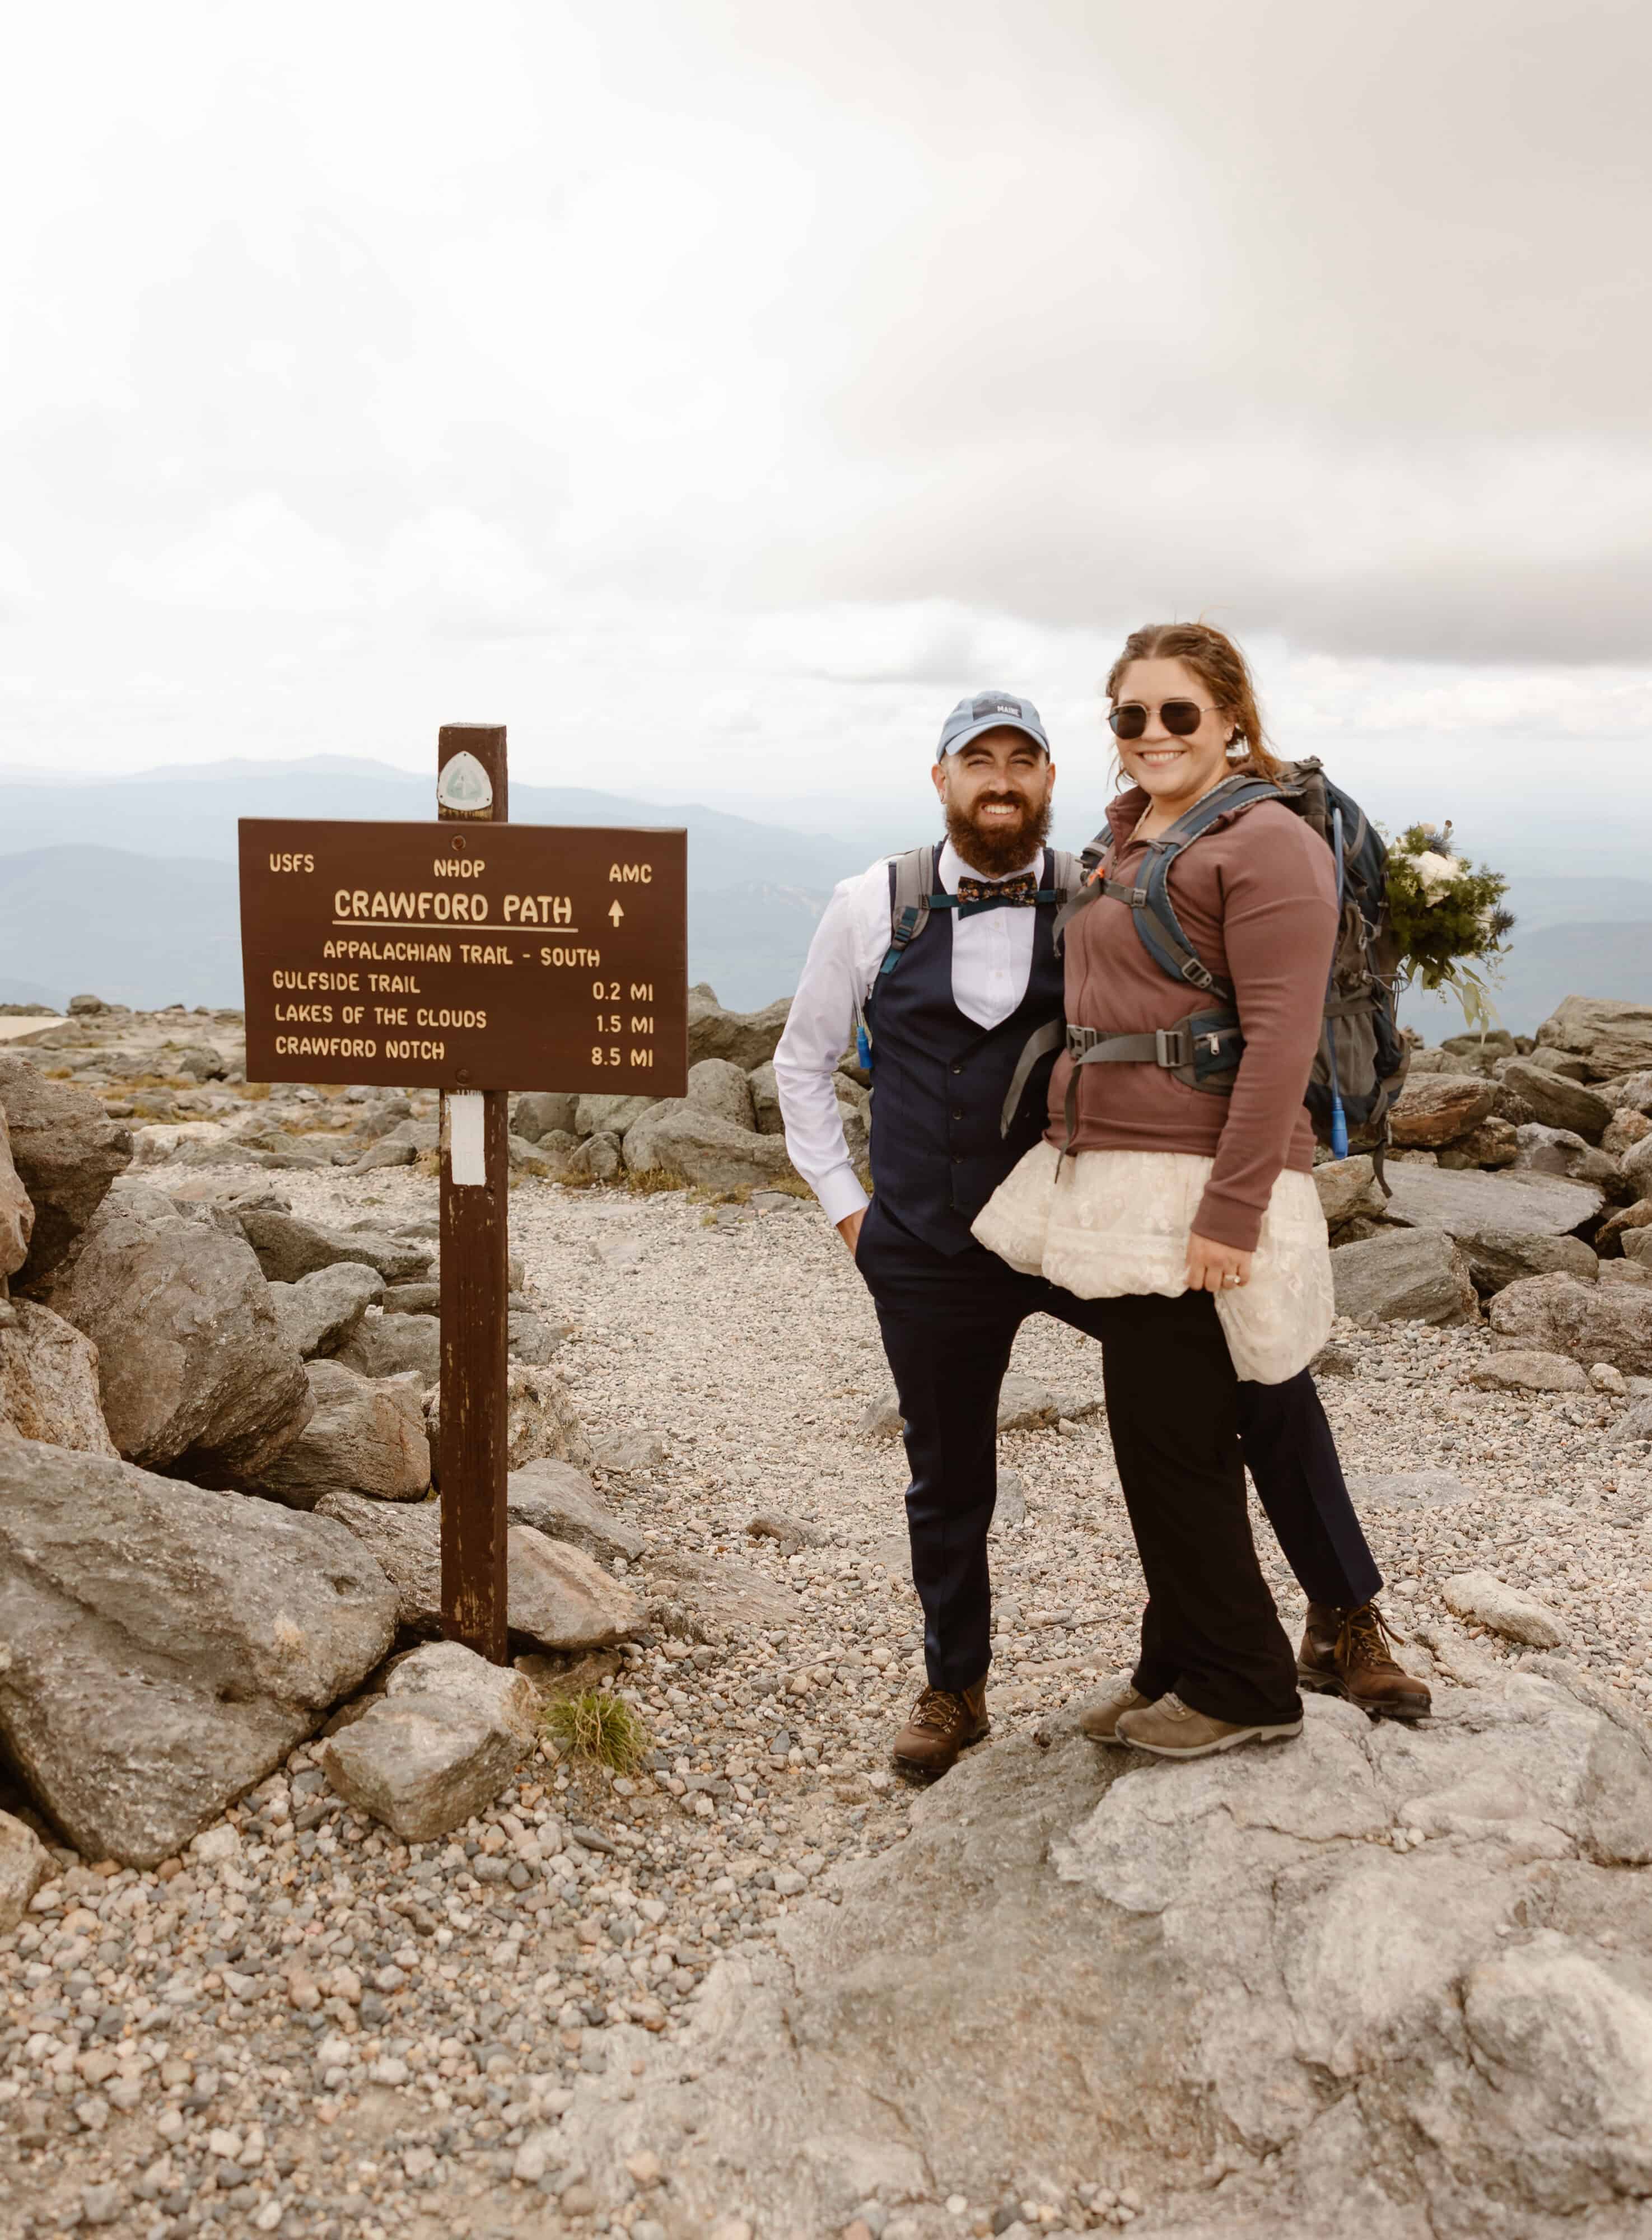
{"type": "Point", "coordinates": [952, 1004]}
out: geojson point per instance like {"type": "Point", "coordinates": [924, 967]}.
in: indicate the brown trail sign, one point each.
{"type": "Point", "coordinates": [475, 956]}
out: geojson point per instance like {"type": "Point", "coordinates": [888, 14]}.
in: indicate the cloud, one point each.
{"type": "Point", "coordinates": [747, 382]}
{"type": "Point", "coordinates": [256, 556]}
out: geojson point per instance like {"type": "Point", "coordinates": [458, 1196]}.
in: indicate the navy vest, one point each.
{"type": "Point", "coordinates": [939, 1081]}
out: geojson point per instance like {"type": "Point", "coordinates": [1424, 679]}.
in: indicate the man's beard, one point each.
{"type": "Point", "coordinates": [996, 849]}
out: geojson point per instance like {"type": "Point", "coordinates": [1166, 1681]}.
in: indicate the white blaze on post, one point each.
{"type": "Point", "coordinates": [467, 1141]}
{"type": "Point", "coordinates": [463, 784]}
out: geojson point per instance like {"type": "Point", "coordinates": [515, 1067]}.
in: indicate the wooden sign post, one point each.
{"type": "Point", "coordinates": [472, 785]}
{"type": "Point", "coordinates": [475, 956]}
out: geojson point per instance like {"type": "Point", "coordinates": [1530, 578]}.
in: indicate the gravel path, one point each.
{"type": "Point", "coordinates": [165, 2070]}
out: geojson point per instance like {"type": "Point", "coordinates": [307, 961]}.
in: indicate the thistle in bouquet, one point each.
{"type": "Point", "coordinates": [1447, 918]}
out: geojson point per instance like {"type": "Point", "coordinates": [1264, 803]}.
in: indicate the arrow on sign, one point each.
{"type": "Point", "coordinates": [615, 912]}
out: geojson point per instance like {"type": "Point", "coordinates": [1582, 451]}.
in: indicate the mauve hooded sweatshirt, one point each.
{"type": "Point", "coordinates": [1256, 896]}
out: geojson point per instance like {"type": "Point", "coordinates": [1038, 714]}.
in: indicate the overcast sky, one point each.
{"type": "Point", "coordinates": [712, 392]}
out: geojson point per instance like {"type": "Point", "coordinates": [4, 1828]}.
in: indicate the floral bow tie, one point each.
{"type": "Point", "coordinates": [1019, 893]}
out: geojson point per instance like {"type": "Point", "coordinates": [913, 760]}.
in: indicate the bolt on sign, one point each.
{"type": "Point", "coordinates": [466, 955]}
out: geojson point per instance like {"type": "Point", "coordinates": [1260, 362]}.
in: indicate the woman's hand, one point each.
{"type": "Point", "coordinates": [1216, 1267]}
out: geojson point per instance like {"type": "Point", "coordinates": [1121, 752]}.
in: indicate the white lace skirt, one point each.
{"type": "Point", "coordinates": [1116, 1223]}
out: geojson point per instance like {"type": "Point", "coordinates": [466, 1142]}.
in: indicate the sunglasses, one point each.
{"type": "Point", "coordinates": [1180, 718]}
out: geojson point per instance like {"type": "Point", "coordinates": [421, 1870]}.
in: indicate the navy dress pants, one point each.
{"type": "Point", "coordinates": [1177, 1414]}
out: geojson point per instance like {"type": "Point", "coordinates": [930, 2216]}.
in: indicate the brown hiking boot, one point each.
{"type": "Point", "coordinates": [1345, 1652]}
{"type": "Point", "coordinates": [941, 1724]}
{"type": "Point", "coordinates": [1101, 1721]}
{"type": "Point", "coordinates": [1173, 1729]}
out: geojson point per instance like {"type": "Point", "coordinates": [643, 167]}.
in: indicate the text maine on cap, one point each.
{"type": "Point", "coordinates": [990, 711]}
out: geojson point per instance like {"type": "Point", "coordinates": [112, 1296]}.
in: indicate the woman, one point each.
{"type": "Point", "coordinates": [1191, 1204]}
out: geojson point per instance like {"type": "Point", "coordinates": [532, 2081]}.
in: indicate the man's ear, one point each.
{"type": "Point", "coordinates": [938, 773]}
{"type": "Point", "coordinates": [1050, 781]}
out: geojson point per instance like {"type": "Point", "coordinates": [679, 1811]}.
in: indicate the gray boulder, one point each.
{"type": "Point", "coordinates": [1499, 1257]}
{"type": "Point", "coordinates": [16, 1214]}
{"type": "Point", "coordinates": [49, 1380]}
{"type": "Point", "coordinates": [65, 1150]}
{"type": "Point", "coordinates": [1410, 1489]}
{"type": "Point", "coordinates": [1544, 1150]}
{"type": "Point", "coordinates": [745, 1038]}
{"type": "Point", "coordinates": [1359, 2002]}
{"type": "Point", "coordinates": [1424, 1062]}
{"type": "Point", "coordinates": [167, 1646]}
{"type": "Point", "coordinates": [1481, 1598]}
{"type": "Point", "coordinates": [599, 1158]}
{"type": "Point", "coordinates": [629, 1451]}
{"type": "Point", "coordinates": [1586, 1321]}
{"type": "Point", "coordinates": [558, 1147]}
{"type": "Point", "coordinates": [1439, 1107]}
{"type": "Point", "coordinates": [194, 1372]}
{"type": "Point", "coordinates": [1347, 1187]}
{"type": "Point", "coordinates": [438, 1746]}
{"type": "Point", "coordinates": [719, 1087]}
{"type": "Point", "coordinates": [765, 1100]}
{"type": "Point", "coordinates": [389, 1345]}
{"type": "Point", "coordinates": [366, 1435]}
{"type": "Point", "coordinates": [24, 1864]}
{"type": "Point", "coordinates": [1635, 1165]}
{"type": "Point", "coordinates": [557, 1596]}
{"type": "Point", "coordinates": [1465, 1203]}
{"type": "Point", "coordinates": [542, 1112]}
{"type": "Point", "coordinates": [287, 1248]}
{"type": "Point", "coordinates": [1494, 1144]}
{"type": "Point", "coordinates": [1521, 1370]}
{"type": "Point", "coordinates": [544, 1422]}
{"type": "Point", "coordinates": [679, 1138]}
{"type": "Point", "coordinates": [1556, 1102]}
{"type": "Point", "coordinates": [408, 1299]}
{"type": "Point", "coordinates": [559, 1501]}
{"type": "Point", "coordinates": [536, 1159]}
{"type": "Point", "coordinates": [1610, 1037]}
{"type": "Point", "coordinates": [608, 1114]}
{"type": "Point", "coordinates": [1616, 1230]}
{"type": "Point", "coordinates": [319, 1312]}
{"type": "Point", "coordinates": [1024, 1405]}
{"type": "Point", "coordinates": [1415, 1275]}
{"type": "Point", "coordinates": [700, 1593]}
{"type": "Point", "coordinates": [531, 1338]}
{"type": "Point", "coordinates": [391, 1150]}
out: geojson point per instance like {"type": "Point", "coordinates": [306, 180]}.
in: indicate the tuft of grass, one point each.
{"type": "Point", "coordinates": [651, 1181]}
{"type": "Point", "coordinates": [604, 1728]}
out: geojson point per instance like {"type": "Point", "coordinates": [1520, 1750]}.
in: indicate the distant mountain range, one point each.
{"type": "Point", "coordinates": [127, 888]}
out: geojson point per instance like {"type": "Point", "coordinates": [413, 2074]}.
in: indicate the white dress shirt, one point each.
{"type": "Point", "coordinates": [991, 963]}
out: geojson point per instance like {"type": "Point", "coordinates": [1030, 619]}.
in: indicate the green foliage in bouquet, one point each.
{"type": "Point", "coordinates": [1447, 916]}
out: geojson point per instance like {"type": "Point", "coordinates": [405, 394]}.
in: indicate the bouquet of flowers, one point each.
{"type": "Point", "coordinates": [1447, 916]}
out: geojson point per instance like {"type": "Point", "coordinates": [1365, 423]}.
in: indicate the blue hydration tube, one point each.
{"type": "Point", "coordinates": [1339, 1118]}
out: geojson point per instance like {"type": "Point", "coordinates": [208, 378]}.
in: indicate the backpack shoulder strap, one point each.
{"type": "Point", "coordinates": [1160, 931]}
{"type": "Point", "coordinates": [911, 894]}
{"type": "Point", "coordinates": [1084, 886]}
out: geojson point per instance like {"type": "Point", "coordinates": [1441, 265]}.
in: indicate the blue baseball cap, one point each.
{"type": "Point", "coordinates": [990, 711]}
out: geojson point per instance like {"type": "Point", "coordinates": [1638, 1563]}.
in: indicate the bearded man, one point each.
{"type": "Point", "coordinates": [956, 977]}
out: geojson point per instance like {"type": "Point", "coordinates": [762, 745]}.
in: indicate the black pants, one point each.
{"type": "Point", "coordinates": [1176, 1412]}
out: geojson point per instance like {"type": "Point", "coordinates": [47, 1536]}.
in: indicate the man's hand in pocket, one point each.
{"type": "Point", "coordinates": [850, 1229]}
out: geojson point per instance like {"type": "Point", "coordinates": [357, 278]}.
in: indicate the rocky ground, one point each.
{"type": "Point", "coordinates": [757, 1987]}
{"type": "Point", "coordinates": [307, 2026]}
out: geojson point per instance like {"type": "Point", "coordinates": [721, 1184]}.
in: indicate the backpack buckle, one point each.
{"type": "Point", "coordinates": [1170, 1048]}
